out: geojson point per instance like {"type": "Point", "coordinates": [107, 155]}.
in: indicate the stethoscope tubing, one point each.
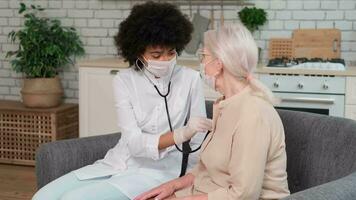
{"type": "Point", "coordinates": [167, 110]}
{"type": "Point", "coordinates": [169, 119]}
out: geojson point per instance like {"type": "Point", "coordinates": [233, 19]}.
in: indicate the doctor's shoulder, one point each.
{"type": "Point", "coordinates": [126, 73]}
{"type": "Point", "coordinates": [123, 76]}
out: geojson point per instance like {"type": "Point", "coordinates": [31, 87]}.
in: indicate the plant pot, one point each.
{"type": "Point", "coordinates": [42, 92]}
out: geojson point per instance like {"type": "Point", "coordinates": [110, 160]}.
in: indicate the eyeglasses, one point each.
{"type": "Point", "coordinates": [202, 55]}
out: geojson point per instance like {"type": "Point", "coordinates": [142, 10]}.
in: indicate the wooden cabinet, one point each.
{"type": "Point", "coordinates": [96, 101]}
{"type": "Point", "coordinates": [23, 129]}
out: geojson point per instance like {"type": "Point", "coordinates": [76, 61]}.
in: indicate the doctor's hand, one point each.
{"type": "Point", "coordinates": [194, 125]}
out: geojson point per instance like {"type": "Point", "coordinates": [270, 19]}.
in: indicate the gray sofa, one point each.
{"type": "Point", "coordinates": [321, 152]}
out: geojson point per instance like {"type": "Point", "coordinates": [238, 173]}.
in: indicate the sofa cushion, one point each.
{"type": "Point", "coordinates": [319, 148]}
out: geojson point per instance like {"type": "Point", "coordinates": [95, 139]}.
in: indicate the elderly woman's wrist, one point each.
{"type": "Point", "coordinates": [177, 184]}
{"type": "Point", "coordinates": [185, 181]}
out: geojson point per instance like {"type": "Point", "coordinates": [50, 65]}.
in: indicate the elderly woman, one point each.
{"type": "Point", "coordinates": [244, 157]}
{"type": "Point", "coordinates": [150, 39]}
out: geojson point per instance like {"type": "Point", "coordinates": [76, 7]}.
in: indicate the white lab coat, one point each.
{"type": "Point", "coordinates": [135, 164]}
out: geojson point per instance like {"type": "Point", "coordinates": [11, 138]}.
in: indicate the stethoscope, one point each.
{"type": "Point", "coordinates": [164, 96]}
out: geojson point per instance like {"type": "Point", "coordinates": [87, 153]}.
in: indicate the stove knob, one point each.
{"type": "Point", "coordinates": [276, 84]}
{"type": "Point", "coordinates": [300, 85]}
{"type": "Point", "coordinates": [325, 86]}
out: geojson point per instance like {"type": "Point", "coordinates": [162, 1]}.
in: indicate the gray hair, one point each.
{"type": "Point", "coordinates": [234, 45]}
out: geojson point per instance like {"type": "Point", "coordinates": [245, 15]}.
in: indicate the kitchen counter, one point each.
{"type": "Point", "coordinates": [108, 62]}
{"type": "Point", "coordinates": [115, 62]}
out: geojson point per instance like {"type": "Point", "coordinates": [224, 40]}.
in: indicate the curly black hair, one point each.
{"type": "Point", "coordinates": [151, 24]}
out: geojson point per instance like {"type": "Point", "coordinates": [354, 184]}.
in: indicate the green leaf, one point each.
{"type": "Point", "coordinates": [27, 15]}
{"type": "Point", "coordinates": [11, 34]}
{"type": "Point", "coordinates": [22, 8]}
{"type": "Point", "coordinates": [10, 53]}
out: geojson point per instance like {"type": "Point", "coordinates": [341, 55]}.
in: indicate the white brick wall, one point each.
{"type": "Point", "coordinates": [335, 15]}
{"type": "Point", "coordinates": [278, 4]}
{"type": "Point", "coordinates": [309, 5]}
{"type": "Point", "coordinates": [97, 22]}
{"type": "Point", "coordinates": [108, 14]}
{"type": "Point", "coordinates": [324, 24]}
{"type": "Point", "coordinates": [350, 15]}
{"type": "Point", "coordinates": [344, 25]}
{"type": "Point", "coordinates": [81, 13]}
{"type": "Point", "coordinates": [283, 15]}
{"type": "Point", "coordinates": [4, 4]}
{"type": "Point", "coordinates": [6, 12]}
{"type": "Point", "coordinates": [275, 25]}
{"type": "Point", "coordinates": [309, 15]}
{"type": "Point", "coordinates": [329, 5]}
{"type": "Point", "coordinates": [291, 25]}
{"type": "Point", "coordinates": [347, 5]}
{"type": "Point", "coordinates": [294, 5]}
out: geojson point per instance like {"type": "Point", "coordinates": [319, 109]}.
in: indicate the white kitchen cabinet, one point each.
{"type": "Point", "coordinates": [350, 112]}
{"type": "Point", "coordinates": [350, 91]}
{"type": "Point", "coordinates": [350, 98]}
{"type": "Point", "coordinates": [97, 114]}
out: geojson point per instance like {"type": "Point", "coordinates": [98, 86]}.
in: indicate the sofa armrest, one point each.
{"type": "Point", "coordinates": [340, 189]}
{"type": "Point", "coordinates": [57, 158]}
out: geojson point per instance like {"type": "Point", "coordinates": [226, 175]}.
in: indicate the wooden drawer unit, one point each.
{"type": "Point", "coordinates": [23, 129]}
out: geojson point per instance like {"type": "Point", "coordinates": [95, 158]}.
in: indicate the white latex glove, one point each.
{"type": "Point", "coordinates": [194, 125]}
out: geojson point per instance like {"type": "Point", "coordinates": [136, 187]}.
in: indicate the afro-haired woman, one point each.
{"type": "Point", "coordinates": [150, 39]}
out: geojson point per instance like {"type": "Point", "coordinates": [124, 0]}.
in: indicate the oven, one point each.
{"type": "Point", "coordinates": [307, 92]}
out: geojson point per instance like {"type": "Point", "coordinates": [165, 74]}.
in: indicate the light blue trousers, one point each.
{"type": "Point", "coordinates": [69, 187]}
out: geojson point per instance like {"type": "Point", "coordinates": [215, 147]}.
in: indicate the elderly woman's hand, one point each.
{"type": "Point", "coordinates": [166, 190]}
{"type": "Point", "coordinates": [195, 197]}
{"type": "Point", "coordinates": [163, 191]}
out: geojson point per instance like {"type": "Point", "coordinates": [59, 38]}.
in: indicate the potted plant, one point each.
{"type": "Point", "coordinates": [252, 18]}
{"type": "Point", "coordinates": [45, 48]}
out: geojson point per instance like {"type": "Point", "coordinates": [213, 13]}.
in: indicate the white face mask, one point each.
{"type": "Point", "coordinates": [209, 80]}
{"type": "Point", "coordinates": [160, 68]}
